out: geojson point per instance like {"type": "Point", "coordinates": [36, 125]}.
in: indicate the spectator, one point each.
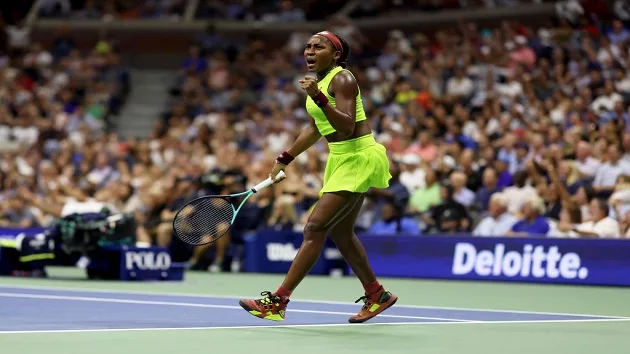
{"type": "Point", "coordinates": [499, 221]}
{"type": "Point", "coordinates": [564, 227]}
{"type": "Point", "coordinates": [607, 174]}
{"type": "Point", "coordinates": [488, 189]}
{"type": "Point", "coordinates": [546, 115]}
{"type": "Point", "coordinates": [448, 216]}
{"type": "Point", "coordinates": [601, 224]}
{"type": "Point", "coordinates": [412, 175]}
{"type": "Point", "coordinates": [394, 222]}
{"type": "Point", "coordinates": [461, 194]}
{"type": "Point", "coordinates": [424, 198]}
{"type": "Point", "coordinates": [533, 222]}
{"type": "Point", "coordinates": [519, 192]}
{"type": "Point", "coordinates": [586, 165]}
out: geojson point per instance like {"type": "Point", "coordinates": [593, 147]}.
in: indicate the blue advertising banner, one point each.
{"type": "Point", "coordinates": [111, 262]}
{"type": "Point", "coordinates": [273, 251]}
{"type": "Point", "coordinates": [134, 263]}
{"type": "Point", "coordinates": [8, 233]}
{"type": "Point", "coordinates": [550, 260]}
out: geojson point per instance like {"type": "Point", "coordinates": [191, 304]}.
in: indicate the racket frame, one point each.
{"type": "Point", "coordinates": [257, 188]}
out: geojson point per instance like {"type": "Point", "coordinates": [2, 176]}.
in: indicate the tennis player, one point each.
{"type": "Point", "coordinates": [356, 162]}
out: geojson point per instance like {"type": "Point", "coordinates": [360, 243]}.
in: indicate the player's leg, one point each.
{"type": "Point", "coordinates": [331, 208]}
{"type": "Point", "coordinates": [376, 299]}
{"type": "Point", "coordinates": [350, 247]}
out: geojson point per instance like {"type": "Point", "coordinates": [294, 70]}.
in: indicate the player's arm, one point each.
{"type": "Point", "coordinates": [308, 136]}
{"type": "Point", "coordinates": [345, 89]}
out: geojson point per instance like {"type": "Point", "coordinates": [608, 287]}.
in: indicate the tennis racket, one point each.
{"type": "Point", "coordinates": [204, 220]}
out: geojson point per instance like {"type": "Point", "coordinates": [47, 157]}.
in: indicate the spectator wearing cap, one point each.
{"type": "Point", "coordinates": [451, 222]}
{"type": "Point", "coordinates": [533, 223]}
{"type": "Point", "coordinates": [601, 224]}
{"type": "Point", "coordinates": [499, 221]}
{"type": "Point", "coordinates": [449, 215]}
{"type": "Point", "coordinates": [411, 175]}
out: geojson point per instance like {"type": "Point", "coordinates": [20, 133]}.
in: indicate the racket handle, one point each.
{"type": "Point", "coordinates": [266, 183]}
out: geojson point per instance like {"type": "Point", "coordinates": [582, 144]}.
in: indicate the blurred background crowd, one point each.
{"type": "Point", "coordinates": [506, 130]}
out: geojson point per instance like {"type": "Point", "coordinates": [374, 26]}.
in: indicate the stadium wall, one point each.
{"type": "Point", "coordinates": [166, 36]}
{"type": "Point", "coordinates": [461, 257]}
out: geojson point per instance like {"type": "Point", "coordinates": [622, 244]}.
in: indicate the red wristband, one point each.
{"type": "Point", "coordinates": [285, 158]}
{"type": "Point", "coordinates": [320, 99]}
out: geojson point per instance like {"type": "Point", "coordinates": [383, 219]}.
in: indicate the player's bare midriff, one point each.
{"type": "Point", "coordinates": [362, 128]}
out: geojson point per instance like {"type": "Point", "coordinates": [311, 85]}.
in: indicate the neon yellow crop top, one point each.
{"type": "Point", "coordinates": [318, 115]}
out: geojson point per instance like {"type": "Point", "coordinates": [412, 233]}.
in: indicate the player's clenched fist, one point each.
{"type": "Point", "coordinates": [309, 84]}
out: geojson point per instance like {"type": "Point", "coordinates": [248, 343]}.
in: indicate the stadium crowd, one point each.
{"type": "Point", "coordinates": [512, 130]}
{"type": "Point", "coordinates": [491, 131]}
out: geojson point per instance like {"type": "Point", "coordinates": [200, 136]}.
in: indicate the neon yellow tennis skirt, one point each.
{"type": "Point", "coordinates": [355, 165]}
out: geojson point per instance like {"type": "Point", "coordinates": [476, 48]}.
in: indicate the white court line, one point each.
{"type": "Point", "coordinates": [305, 326]}
{"type": "Point", "coordinates": [294, 300]}
{"type": "Point", "coordinates": [187, 304]}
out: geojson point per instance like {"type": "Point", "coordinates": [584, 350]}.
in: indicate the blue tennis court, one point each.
{"type": "Point", "coordinates": [30, 309]}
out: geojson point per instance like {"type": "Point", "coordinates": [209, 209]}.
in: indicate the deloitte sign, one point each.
{"type": "Point", "coordinates": [532, 261]}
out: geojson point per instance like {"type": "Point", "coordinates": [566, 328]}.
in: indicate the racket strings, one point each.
{"type": "Point", "coordinates": [204, 220]}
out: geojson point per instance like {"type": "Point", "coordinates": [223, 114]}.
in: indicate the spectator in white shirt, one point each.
{"type": "Point", "coordinates": [601, 225]}
{"type": "Point", "coordinates": [519, 192]}
{"type": "Point", "coordinates": [606, 102]}
{"type": "Point", "coordinates": [412, 174]}
{"type": "Point", "coordinates": [607, 173]}
{"type": "Point", "coordinates": [586, 165]}
{"type": "Point", "coordinates": [511, 89]}
{"type": "Point", "coordinates": [564, 228]}
{"type": "Point", "coordinates": [459, 86]}
{"type": "Point", "coordinates": [499, 221]}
